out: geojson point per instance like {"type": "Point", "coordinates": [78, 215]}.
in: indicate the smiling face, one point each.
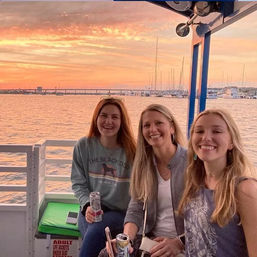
{"type": "Point", "coordinates": [109, 121]}
{"type": "Point", "coordinates": [211, 139]}
{"type": "Point", "coordinates": [156, 129]}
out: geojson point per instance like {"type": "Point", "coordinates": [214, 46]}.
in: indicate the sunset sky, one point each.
{"type": "Point", "coordinates": [109, 44]}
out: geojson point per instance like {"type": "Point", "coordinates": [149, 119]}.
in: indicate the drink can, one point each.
{"type": "Point", "coordinates": [122, 245]}
{"type": "Point", "coordinates": [95, 203]}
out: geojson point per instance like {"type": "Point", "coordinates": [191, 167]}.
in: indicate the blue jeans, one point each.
{"type": "Point", "coordinates": [93, 234]}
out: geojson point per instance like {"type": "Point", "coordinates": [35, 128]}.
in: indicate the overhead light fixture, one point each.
{"type": "Point", "coordinates": [182, 29]}
{"type": "Point", "coordinates": [180, 6]}
{"type": "Point", "coordinates": [203, 8]}
{"type": "Point", "coordinates": [200, 8]}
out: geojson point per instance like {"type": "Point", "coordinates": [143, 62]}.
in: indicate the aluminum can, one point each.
{"type": "Point", "coordinates": [122, 245]}
{"type": "Point", "coordinates": [95, 203]}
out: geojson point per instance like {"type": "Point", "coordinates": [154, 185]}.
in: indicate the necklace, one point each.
{"type": "Point", "coordinates": [164, 171]}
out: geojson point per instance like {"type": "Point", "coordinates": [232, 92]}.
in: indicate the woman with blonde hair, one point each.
{"type": "Point", "coordinates": [102, 162]}
{"type": "Point", "coordinates": [157, 182]}
{"type": "Point", "coordinates": [220, 198]}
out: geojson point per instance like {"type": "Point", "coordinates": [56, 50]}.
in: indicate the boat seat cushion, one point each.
{"type": "Point", "coordinates": [54, 217]}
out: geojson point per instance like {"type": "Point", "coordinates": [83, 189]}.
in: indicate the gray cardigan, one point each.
{"type": "Point", "coordinates": [135, 213]}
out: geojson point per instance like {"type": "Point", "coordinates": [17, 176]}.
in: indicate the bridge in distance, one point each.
{"type": "Point", "coordinates": [95, 91]}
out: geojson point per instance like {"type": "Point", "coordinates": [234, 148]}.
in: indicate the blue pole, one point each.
{"type": "Point", "coordinates": [192, 91]}
{"type": "Point", "coordinates": [204, 73]}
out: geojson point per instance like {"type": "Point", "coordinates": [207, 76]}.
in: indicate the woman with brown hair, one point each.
{"type": "Point", "coordinates": [102, 162]}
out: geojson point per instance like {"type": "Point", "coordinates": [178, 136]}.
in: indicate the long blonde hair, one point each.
{"type": "Point", "coordinates": [125, 135]}
{"type": "Point", "coordinates": [143, 183]}
{"type": "Point", "coordinates": [237, 166]}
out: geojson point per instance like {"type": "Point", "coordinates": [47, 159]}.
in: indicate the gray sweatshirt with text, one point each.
{"type": "Point", "coordinates": [96, 168]}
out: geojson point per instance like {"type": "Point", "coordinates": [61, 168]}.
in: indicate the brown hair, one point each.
{"type": "Point", "coordinates": [125, 135]}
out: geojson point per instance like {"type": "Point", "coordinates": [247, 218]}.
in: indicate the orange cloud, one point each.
{"type": "Point", "coordinates": [106, 44]}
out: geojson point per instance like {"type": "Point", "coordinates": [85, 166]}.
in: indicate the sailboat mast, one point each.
{"type": "Point", "coordinates": [243, 76]}
{"type": "Point", "coordinates": [156, 64]}
{"type": "Point", "coordinates": [173, 78]}
{"type": "Point", "coordinates": [181, 74]}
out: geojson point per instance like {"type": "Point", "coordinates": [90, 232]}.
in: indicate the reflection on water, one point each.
{"type": "Point", "coordinates": [26, 119]}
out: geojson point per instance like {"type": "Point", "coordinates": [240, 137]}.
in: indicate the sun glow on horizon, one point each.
{"type": "Point", "coordinates": [109, 44]}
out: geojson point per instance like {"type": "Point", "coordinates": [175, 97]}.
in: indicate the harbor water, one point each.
{"type": "Point", "coordinates": [27, 119]}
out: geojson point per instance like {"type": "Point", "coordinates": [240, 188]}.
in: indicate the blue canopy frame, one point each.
{"type": "Point", "coordinates": [202, 28]}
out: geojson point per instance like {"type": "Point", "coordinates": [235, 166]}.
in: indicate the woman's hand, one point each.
{"type": "Point", "coordinates": [90, 215]}
{"type": "Point", "coordinates": [114, 247]}
{"type": "Point", "coordinates": [167, 247]}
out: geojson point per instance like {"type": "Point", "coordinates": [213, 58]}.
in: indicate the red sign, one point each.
{"type": "Point", "coordinates": [64, 248]}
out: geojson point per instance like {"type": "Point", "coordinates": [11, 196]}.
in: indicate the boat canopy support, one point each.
{"type": "Point", "coordinates": [204, 18]}
{"type": "Point", "coordinates": [201, 92]}
{"type": "Point", "coordinates": [202, 29]}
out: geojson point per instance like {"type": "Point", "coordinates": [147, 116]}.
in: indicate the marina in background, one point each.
{"type": "Point", "coordinates": [212, 93]}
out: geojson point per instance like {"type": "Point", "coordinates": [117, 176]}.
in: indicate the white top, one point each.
{"type": "Point", "coordinates": [165, 224]}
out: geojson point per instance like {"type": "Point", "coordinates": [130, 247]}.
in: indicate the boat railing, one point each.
{"type": "Point", "coordinates": [41, 166]}
{"type": "Point", "coordinates": [16, 219]}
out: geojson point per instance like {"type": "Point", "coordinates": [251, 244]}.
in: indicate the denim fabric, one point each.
{"type": "Point", "coordinates": [93, 234]}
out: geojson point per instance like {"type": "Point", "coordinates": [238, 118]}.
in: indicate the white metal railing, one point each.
{"type": "Point", "coordinates": [58, 143]}
{"type": "Point", "coordinates": [24, 149]}
{"type": "Point", "coordinates": [35, 187]}
{"type": "Point", "coordinates": [41, 152]}
{"type": "Point", "coordinates": [23, 209]}
{"type": "Point", "coordinates": [36, 162]}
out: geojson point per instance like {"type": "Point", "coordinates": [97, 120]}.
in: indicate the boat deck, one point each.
{"type": "Point", "coordinates": [15, 218]}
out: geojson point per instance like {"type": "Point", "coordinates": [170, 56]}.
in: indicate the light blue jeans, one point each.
{"type": "Point", "coordinates": [93, 234]}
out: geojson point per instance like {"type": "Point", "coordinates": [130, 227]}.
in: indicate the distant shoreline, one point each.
{"type": "Point", "coordinates": [212, 93]}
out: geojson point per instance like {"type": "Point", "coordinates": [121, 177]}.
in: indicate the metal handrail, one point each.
{"type": "Point", "coordinates": [40, 159]}
{"type": "Point", "coordinates": [15, 148]}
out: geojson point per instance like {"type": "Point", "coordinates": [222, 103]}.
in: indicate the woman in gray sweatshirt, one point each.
{"type": "Point", "coordinates": [102, 162]}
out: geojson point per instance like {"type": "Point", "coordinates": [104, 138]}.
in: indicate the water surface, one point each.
{"type": "Point", "coordinates": [27, 119]}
